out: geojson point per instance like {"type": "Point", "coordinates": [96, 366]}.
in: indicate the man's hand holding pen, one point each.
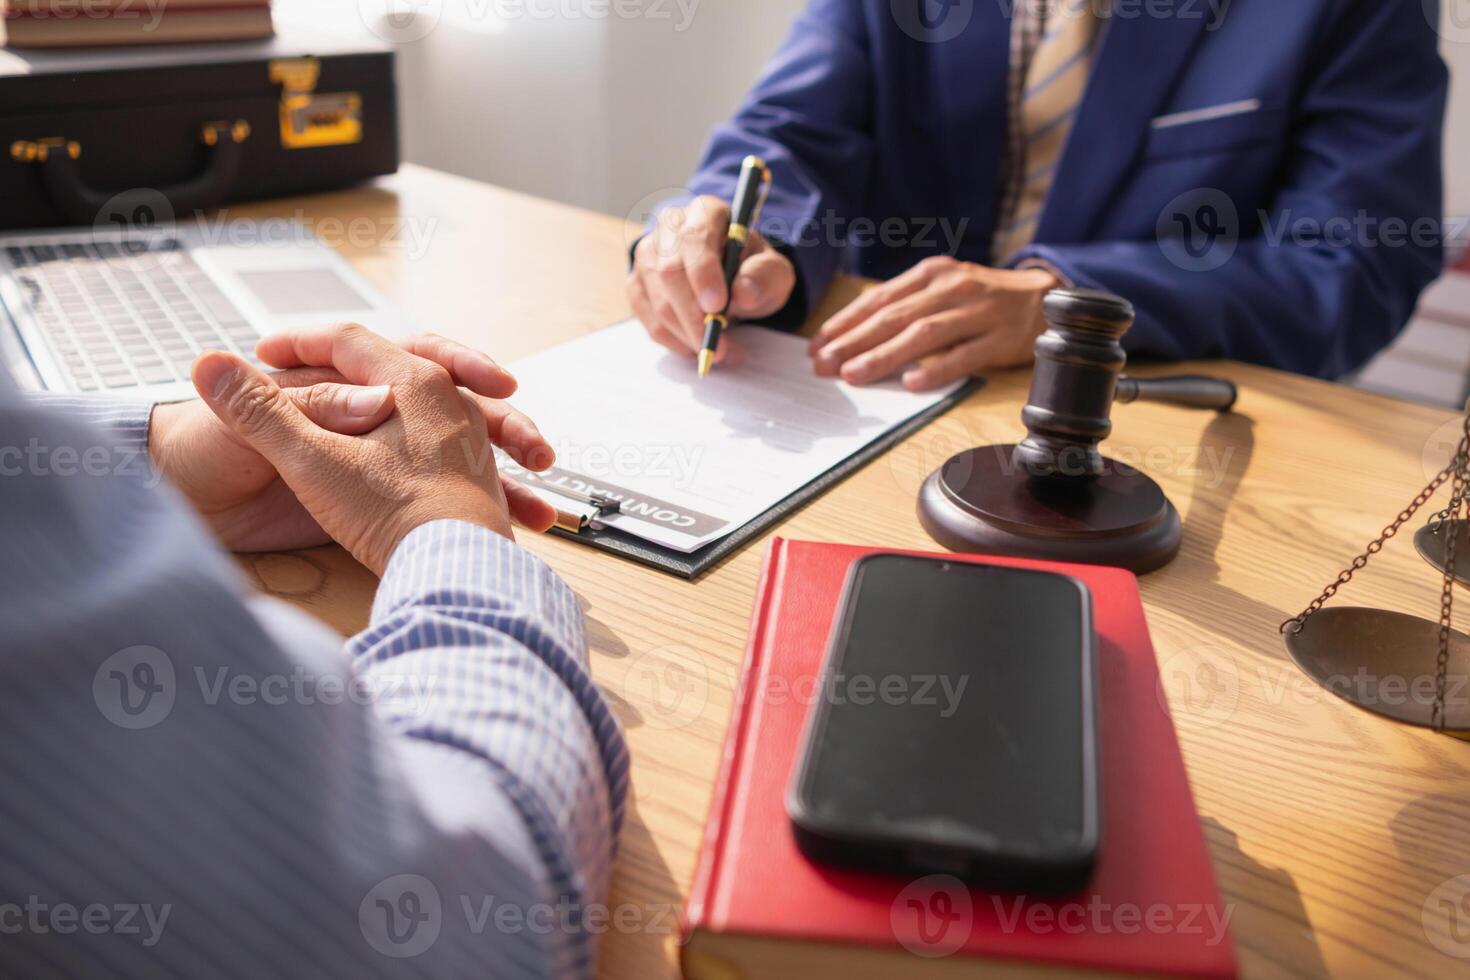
{"type": "Point", "coordinates": [677, 279]}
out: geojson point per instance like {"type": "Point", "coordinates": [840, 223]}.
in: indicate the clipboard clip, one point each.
{"type": "Point", "coordinates": [577, 521]}
{"type": "Point", "coordinates": [604, 505]}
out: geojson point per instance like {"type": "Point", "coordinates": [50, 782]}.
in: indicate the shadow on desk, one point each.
{"type": "Point", "coordinates": [1266, 908]}
{"type": "Point", "coordinates": [1227, 445]}
{"type": "Point", "coordinates": [644, 899]}
{"type": "Point", "coordinates": [1419, 828]}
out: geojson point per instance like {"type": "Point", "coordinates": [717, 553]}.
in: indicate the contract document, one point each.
{"type": "Point", "coordinates": [690, 461]}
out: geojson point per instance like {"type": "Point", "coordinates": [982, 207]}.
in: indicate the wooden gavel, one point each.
{"type": "Point", "coordinates": [1054, 495]}
{"type": "Point", "coordinates": [1079, 360]}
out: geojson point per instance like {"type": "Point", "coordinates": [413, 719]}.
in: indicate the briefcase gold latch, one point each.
{"type": "Point", "coordinates": [310, 118]}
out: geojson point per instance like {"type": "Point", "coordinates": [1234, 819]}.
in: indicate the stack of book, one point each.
{"type": "Point", "coordinates": [91, 23]}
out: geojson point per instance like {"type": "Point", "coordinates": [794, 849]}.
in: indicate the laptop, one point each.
{"type": "Point", "coordinates": [123, 313]}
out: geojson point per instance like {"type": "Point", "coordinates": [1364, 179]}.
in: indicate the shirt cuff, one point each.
{"type": "Point", "coordinates": [458, 564]}
{"type": "Point", "coordinates": [124, 425]}
{"type": "Point", "coordinates": [126, 422]}
{"type": "Point", "coordinates": [1037, 262]}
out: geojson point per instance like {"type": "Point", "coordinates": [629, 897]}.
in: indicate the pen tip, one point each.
{"type": "Point", "coordinates": [706, 361]}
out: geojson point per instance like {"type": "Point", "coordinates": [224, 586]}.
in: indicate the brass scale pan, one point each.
{"type": "Point", "coordinates": [1385, 662]}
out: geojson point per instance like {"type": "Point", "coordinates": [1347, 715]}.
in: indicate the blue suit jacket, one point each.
{"type": "Point", "coordinates": [1334, 181]}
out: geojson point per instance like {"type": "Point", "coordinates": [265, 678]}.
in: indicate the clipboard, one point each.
{"type": "Point", "coordinates": [695, 563]}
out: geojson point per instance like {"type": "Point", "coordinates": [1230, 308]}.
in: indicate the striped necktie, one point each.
{"type": "Point", "coordinates": [1055, 83]}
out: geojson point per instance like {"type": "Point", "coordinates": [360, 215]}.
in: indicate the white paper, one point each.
{"type": "Point", "coordinates": [691, 459]}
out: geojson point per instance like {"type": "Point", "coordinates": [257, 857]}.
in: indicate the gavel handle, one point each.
{"type": "Point", "coordinates": [1186, 391]}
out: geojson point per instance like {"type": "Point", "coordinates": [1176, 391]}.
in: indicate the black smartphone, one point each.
{"type": "Point", "coordinates": [954, 727]}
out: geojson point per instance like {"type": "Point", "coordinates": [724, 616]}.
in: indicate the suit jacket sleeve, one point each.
{"type": "Point", "coordinates": [1352, 237]}
{"type": "Point", "coordinates": [808, 118]}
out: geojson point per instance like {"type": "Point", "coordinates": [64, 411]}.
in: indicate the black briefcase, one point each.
{"type": "Point", "coordinates": [130, 135]}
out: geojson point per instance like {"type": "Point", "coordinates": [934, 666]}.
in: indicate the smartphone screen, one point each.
{"type": "Point", "coordinates": [954, 722]}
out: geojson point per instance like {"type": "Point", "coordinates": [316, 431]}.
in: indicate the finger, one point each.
{"type": "Point", "coordinates": [666, 328]}
{"type": "Point", "coordinates": [470, 368]}
{"type": "Point", "coordinates": [640, 302]}
{"type": "Point", "coordinates": [514, 432]}
{"type": "Point", "coordinates": [251, 404]}
{"type": "Point", "coordinates": [883, 325]}
{"type": "Point", "coordinates": [305, 377]}
{"type": "Point", "coordinates": [345, 409]}
{"type": "Point", "coordinates": [679, 312]}
{"type": "Point", "coordinates": [764, 284]}
{"type": "Point", "coordinates": [676, 343]}
{"type": "Point", "coordinates": [871, 301]}
{"type": "Point", "coordinates": [702, 255]}
{"type": "Point", "coordinates": [709, 220]}
{"type": "Point", "coordinates": [642, 305]}
{"type": "Point", "coordinates": [956, 363]}
{"type": "Point", "coordinates": [661, 242]}
{"type": "Point", "coordinates": [699, 220]}
{"type": "Point", "coordinates": [526, 508]}
{"type": "Point", "coordinates": [922, 338]}
{"type": "Point", "coordinates": [363, 357]}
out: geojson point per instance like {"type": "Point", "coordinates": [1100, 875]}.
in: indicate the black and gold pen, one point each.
{"type": "Point", "coordinates": [750, 194]}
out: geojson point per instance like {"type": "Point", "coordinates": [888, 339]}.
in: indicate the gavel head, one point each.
{"type": "Point", "coordinates": [1078, 360]}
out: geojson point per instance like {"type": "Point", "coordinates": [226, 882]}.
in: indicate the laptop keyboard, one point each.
{"type": "Point", "coordinates": [119, 314]}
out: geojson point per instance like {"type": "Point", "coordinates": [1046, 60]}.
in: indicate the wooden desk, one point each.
{"type": "Point", "coordinates": [1329, 828]}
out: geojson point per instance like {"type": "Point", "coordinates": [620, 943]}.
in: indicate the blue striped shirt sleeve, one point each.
{"type": "Point", "coordinates": [231, 792]}
{"type": "Point", "coordinates": [491, 642]}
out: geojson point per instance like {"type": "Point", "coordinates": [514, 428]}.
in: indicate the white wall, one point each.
{"type": "Point", "coordinates": [668, 89]}
{"type": "Point", "coordinates": [564, 98]}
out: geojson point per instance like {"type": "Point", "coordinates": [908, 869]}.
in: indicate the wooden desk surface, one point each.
{"type": "Point", "coordinates": [1330, 830]}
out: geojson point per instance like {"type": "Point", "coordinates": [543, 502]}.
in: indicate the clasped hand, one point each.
{"type": "Point", "coordinates": [357, 440]}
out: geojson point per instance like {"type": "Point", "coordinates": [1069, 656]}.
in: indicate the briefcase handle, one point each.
{"type": "Point", "coordinates": [83, 205]}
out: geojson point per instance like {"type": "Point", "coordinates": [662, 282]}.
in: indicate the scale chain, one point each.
{"type": "Point", "coordinates": [1447, 596]}
{"type": "Point", "coordinates": [1459, 470]}
{"type": "Point", "coordinates": [1376, 545]}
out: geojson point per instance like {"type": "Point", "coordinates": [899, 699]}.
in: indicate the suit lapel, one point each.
{"type": "Point", "coordinates": [1138, 60]}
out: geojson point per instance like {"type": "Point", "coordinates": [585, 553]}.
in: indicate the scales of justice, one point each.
{"type": "Point", "coordinates": [1056, 497]}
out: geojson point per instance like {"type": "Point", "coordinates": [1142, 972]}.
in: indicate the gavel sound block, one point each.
{"type": "Point", "coordinates": [1054, 496]}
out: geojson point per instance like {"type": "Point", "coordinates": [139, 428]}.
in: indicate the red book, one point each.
{"type": "Point", "coordinates": [759, 908]}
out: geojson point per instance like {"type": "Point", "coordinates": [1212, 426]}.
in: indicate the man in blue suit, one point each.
{"type": "Point", "coordinates": [1261, 179]}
